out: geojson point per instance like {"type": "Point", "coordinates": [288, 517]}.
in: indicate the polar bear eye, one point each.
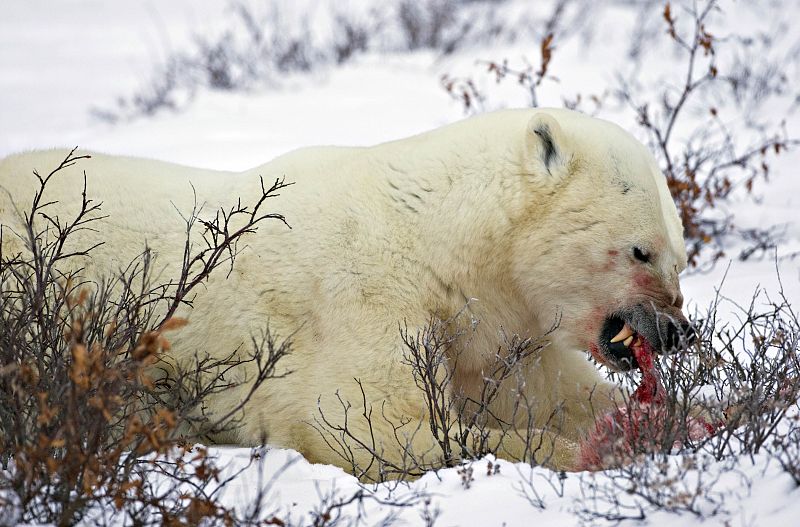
{"type": "Point", "coordinates": [641, 255]}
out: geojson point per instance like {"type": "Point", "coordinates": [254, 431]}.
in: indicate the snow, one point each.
{"type": "Point", "coordinates": [757, 493]}
{"type": "Point", "coordinates": [59, 61]}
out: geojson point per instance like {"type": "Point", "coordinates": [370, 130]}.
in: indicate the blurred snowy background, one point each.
{"type": "Point", "coordinates": [230, 85]}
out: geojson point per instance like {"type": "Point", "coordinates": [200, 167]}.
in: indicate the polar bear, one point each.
{"type": "Point", "coordinates": [527, 219]}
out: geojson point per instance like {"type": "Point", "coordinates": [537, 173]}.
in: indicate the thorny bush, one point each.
{"type": "Point", "coordinates": [264, 43]}
{"type": "Point", "coordinates": [92, 411]}
{"type": "Point", "coordinates": [743, 378]}
{"type": "Point", "coordinates": [464, 426]}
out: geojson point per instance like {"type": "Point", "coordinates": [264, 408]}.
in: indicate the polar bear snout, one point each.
{"type": "Point", "coordinates": [623, 331]}
{"type": "Point", "coordinates": [677, 335]}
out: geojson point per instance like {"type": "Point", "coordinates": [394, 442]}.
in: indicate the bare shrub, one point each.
{"type": "Point", "coordinates": [676, 484]}
{"type": "Point", "coordinates": [527, 77]}
{"type": "Point", "coordinates": [463, 426]}
{"type": "Point", "coordinates": [528, 485]}
{"type": "Point", "coordinates": [424, 23]}
{"type": "Point", "coordinates": [707, 166]}
{"type": "Point", "coordinates": [786, 449]}
{"type": "Point", "coordinates": [740, 383]}
{"type": "Point", "coordinates": [256, 48]}
{"type": "Point", "coordinates": [261, 44]}
{"type": "Point", "coordinates": [753, 370]}
{"type": "Point", "coordinates": [465, 91]}
{"type": "Point", "coordinates": [353, 37]}
{"type": "Point", "coordinates": [91, 414]}
{"type": "Point", "coordinates": [165, 90]}
{"type": "Point", "coordinates": [336, 508]}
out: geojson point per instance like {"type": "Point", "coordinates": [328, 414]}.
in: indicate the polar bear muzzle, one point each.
{"type": "Point", "coordinates": [625, 330]}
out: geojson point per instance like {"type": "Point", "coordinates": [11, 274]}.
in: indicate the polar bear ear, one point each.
{"type": "Point", "coordinates": [547, 149]}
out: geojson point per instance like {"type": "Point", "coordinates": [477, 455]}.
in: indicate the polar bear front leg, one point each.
{"type": "Point", "coordinates": [387, 439]}
{"type": "Point", "coordinates": [574, 392]}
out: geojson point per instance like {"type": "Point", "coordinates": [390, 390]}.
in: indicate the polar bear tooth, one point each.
{"type": "Point", "coordinates": [624, 333]}
{"type": "Point", "coordinates": [628, 341]}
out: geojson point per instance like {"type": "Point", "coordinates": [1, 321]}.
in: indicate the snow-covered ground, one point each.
{"type": "Point", "coordinates": [58, 60]}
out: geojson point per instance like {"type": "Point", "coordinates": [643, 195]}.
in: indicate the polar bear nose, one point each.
{"type": "Point", "coordinates": [677, 335]}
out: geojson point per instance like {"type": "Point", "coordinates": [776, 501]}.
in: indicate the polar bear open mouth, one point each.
{"type": "Point", "coordinates": [617, 342]}
{"type": "Point", "coordinates": [622, 334]}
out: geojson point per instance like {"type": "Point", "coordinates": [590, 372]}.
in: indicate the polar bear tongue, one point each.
{"type": "Point", "coordinates": [650, 390]}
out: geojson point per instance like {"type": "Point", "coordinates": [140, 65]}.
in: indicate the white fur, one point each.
{"type": "Point", "coordinates": [399, 232]}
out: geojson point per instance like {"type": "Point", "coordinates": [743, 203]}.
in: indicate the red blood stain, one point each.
{"type": "Point", "coordinates": [643, 281]}
{"type": "Point", "coordinates": [644, 419]}
{"type": "Point", "coordinates": [595, 351]}
{"type": "Point", "coordinates": [650, 390]}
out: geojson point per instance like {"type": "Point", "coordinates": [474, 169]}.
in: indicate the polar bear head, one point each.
{"type": "Point", "coordinates": [600, 245]}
